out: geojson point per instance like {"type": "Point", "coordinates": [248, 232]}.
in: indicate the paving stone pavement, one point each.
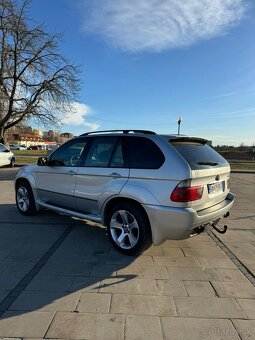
{"type": "Point", "coordinates": [201, 288]}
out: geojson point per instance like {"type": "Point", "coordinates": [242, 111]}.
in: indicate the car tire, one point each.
{"type": "Point", "coordinates": [25, 199]}
{"type": "Point", "coordinates": [12, 164]}
{"type": "Point", "coordinates": [128, 228]}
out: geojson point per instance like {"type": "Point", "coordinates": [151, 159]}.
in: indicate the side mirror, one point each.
{"type": "Point", "coordinates": [7, 150]}
{"type": "Point", "coordinates": [42, 161]}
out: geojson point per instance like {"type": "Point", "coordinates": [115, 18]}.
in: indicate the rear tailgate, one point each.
{"type": "Point", "coordinates": [208, 169]}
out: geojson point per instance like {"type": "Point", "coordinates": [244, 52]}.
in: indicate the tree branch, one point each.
{"type": "Point", "coordinates": [35, 79]}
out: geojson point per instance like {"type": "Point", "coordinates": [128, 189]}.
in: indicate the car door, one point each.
{"type": "Point", "coordinates": [103, 174]}
{"type": "Point", "coordinates": [55, 182]}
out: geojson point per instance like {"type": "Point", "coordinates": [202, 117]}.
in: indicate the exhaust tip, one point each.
{"type": "Point", "coordinates": [197, 231]}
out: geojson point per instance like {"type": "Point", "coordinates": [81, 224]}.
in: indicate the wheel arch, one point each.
{"type": "Point", "coordinates": [117, 200]}
{"type": "Point", "coordinates": [144, 238]}
{"type": "Point", "coordinates": [31, 208]}
{"type": "Point", "coordinates": [23, 179]}
{"type": "Point", "coordinates": [13, 159]}
{"type": "Point", "coordinates": [30, 180]}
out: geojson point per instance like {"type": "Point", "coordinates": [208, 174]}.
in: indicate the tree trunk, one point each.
{"type": "Point", "coordinates": [2, 140]}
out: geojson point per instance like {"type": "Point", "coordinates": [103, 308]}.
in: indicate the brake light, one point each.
{"type": "Point", "coordinates": [187, 193]}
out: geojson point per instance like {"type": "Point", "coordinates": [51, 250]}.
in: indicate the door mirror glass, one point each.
{"type": "Point", "coordinates": [42, 161]}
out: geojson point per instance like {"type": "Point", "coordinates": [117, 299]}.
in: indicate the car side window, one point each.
{"type": "Point", "coordinates": [143, 153]}
{"type": "Point", "coordinates": [117, 160]}
{"type": "Point", "coordinates": [100, 152]}
{"type": "Point", "coordinates": [69, 154]}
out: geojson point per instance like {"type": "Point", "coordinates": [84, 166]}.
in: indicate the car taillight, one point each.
{"type": "Point", "coordinates": [185, 193]}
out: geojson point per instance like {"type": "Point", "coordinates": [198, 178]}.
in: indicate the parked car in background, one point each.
{"type": "Point", "coordinates": [6, 156]}
{"type": "Point", "coordinates": [34, 147]}
{"type": "Point", "coordinates": [142, 186]}
{"type": "Point", "coordinates": [17, 147]}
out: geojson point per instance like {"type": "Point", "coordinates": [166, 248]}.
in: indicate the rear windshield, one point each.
{"type": "Point", "coordinates": [199, 156]}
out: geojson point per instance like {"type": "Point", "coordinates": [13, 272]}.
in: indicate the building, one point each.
{"type": "Point", "coordinates": [50, 135]}
{"type": "Point", "coordinates": [28, 139]}
{"type": "Point", "coordinates": [67, 135]}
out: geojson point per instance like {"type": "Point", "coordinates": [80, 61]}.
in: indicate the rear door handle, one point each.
{"type": "Point", "coordinates": [72, 173]}
{"type": "Point", "coordinates": [115, 175]}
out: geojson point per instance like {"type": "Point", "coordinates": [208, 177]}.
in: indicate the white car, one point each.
{"type": "Point", "coordinates": [17, 147]}
{"type": "Point", "coordinates": [6, 156]}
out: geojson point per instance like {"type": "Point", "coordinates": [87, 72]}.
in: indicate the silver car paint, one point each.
{"type": "Point", "coordinates": [94, 185]}
{"type": "Point", "coordinates": [90, 189]}
{"type": "Point", "coordinates": [55, 185]}
{"type": "Point", "coordinates": [178, 223]}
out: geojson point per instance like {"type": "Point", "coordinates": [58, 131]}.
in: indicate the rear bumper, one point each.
{"type": "Point", "coordinates": [178, 223]}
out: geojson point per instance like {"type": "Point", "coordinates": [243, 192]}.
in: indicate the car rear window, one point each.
{"type": "Point", "coordinates": [199, 155]}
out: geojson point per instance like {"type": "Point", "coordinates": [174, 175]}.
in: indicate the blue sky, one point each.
{"type": "Point", "coordinates": [146, 62]}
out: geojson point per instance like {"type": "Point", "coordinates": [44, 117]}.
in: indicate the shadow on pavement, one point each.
{"type": "Point", "coordinates": [48, 261]}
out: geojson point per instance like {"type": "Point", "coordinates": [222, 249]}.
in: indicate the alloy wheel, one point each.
{"type": "Point", "coordinates": [23, 199]}
{"type": "Point", "coordinates": [124, 229]}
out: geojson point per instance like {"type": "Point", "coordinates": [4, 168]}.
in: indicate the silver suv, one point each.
{"type": "Point", "coordinates": [144, 187]}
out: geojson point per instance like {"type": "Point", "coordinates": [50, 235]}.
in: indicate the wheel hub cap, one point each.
{"type": "Point", "coordinates": [23, 198]}
{"type": "Point", "coordinates": [124, 229]}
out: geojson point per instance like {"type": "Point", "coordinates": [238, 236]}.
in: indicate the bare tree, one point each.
{"type": "Point", "coordinates": [35, 79]}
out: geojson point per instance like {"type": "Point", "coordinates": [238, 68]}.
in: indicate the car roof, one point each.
{"type": "Point", "coordinates": [132, 132]}
{"type": "Point", "coordinates": [129, 132]}
{"type": "Point", "coordinates": [119, 131]}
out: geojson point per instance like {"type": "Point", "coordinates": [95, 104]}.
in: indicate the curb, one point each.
{"type": "Point", "coordinates": [242, 171]}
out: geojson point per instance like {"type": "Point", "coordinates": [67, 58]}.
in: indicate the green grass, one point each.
{"type": "Point", "coordinates": [26, 160]}
{"type": "Point", "coordinates": [242, 166]}
{"type": "Point", "coordinates": [36, 153]}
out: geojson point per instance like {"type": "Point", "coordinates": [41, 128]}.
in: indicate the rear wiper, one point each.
{"type": "Point", "coordinates": [208, 163]}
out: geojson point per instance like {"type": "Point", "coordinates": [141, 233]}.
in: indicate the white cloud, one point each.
{"type": "Point", "coordinates": [231, 94]}
{"type": "Point", "coordinates": [235, 114]}
{"type": "Point", "coordinates": [156, 25]}
{"type": "Point", "coordinates": [78, 115]}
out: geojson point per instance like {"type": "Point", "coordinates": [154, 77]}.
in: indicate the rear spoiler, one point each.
{"type": "Point", "coordinates": [188, 140]}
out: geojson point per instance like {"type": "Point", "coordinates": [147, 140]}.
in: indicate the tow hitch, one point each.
{"type": "Point", "coordinates": [225, 228]}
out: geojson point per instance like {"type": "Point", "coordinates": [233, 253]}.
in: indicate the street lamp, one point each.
{"type": "Point", "coordinates": [179, 124]}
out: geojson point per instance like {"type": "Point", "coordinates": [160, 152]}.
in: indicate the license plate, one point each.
{"type": "Point", "coordinates": [215, 188]}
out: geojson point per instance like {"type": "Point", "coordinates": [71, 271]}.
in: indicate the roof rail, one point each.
{"type": "Point", "coordinates": [120, 131]}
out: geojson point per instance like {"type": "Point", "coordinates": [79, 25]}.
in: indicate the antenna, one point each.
{"type": "Point", "coordinates": [179, 124]}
